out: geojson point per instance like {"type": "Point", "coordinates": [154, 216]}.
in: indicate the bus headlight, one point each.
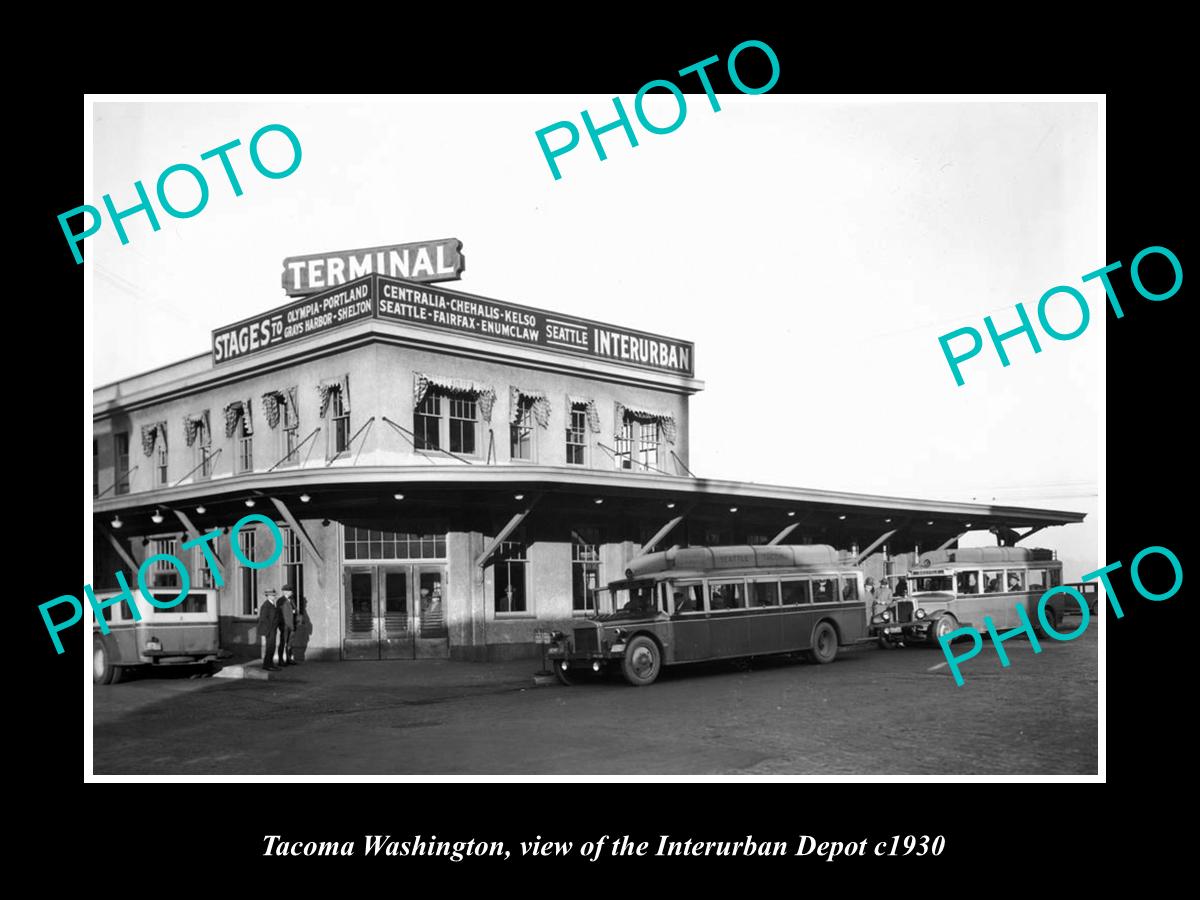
{"type": "Point", "coordinates": [920, 613]}
{"type": "Point", "coordinates": [886, 616]}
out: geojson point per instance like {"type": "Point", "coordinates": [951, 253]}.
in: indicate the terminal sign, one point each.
{"type": "Point", "coordinates": [424, 261]}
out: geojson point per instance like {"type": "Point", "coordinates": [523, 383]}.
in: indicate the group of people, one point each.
{"type": "Point", "coordinates": [277, 620]}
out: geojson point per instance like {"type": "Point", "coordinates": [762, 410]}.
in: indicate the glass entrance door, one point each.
{"type": "Point", "coordinates": [431, 612]}
{"type": "Point", "coordinates": [395, 612]}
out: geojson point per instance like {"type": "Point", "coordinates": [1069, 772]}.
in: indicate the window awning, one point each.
{"type": "Point", "coordinates": [193, 423]}
{"type": "Point", "coordinates": [331, 386]}
{"type": "Point", "coordinates": [238, 409]}
{"type": "Point", "coordinates": [273, 400]}
{"type": "Point", "coordinates": [541, 405]}
{"type": "Point", "coordinates": [593, 415]}
{"type": "Point", "coordinates": [150, 434]}
{"type": "Point", "coordinates": [641, 414]}
{"type": "Point", "coordinates": [484, 393]}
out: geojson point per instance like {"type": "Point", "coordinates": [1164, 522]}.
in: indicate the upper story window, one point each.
{"type": "Point", "coordinates": [335, 407]}
{"type": "Point", "coordinates": [427, 423]}
{"type": "Point", "coordinates": [240, 427]}
{"type": "Point", "coordinates": [121, 461]}
{"type": "Point", "coordinates": [521, 430]}
{"type": "Point", "coordinates": [464, 425]}
{"type": "Point", "coordinates": [282, 412]}
{"type": "Point", "coordinates": [154, 445]}
{"type": "Point", "coordinates": [581, 419]}
{"type": "Point", "coordinates": [526, 408]}
{"type": "Point", "coordinates": [198, 434]}
{"type": "Point", "coordinates": [640, 435]}
{"type": "Point", "coordinates": [576, 441]}
{"type": "Point", "coordinates": [449, 414]}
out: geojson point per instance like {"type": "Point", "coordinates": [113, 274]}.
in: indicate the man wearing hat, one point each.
{"type": "Point", "coordinates": [268, 624]}
{"type": "Point", "coordinates": [287, 623]}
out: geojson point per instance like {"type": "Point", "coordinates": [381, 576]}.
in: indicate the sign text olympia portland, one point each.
{"type": "Point", "coordinates": [397, 300]}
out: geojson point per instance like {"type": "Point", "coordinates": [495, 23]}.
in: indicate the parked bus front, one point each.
{"type": "Point", "coordinates": [952, 589]}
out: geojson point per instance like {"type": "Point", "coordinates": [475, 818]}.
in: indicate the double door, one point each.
{"type": "Point", "coordinates": [395, 612]}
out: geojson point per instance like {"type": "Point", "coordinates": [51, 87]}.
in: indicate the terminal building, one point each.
{"type": "Point", "coordinates": [451, 474]}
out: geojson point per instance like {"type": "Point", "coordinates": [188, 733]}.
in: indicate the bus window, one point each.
{"type": "Point", "coordinates": [927, 583]}
{"type": "Point", "coordinates": [641, 599]}
{"type": "Point", "coordinates": [993, 582]}
{"type": "Point", "coordinates": [1037, 580]}
{"type": "Point", "coordinates": [824, 590]}
{"type": "Point", "coordinates": [728, 595]}
{"type": "Point", "coordinates": [1055, 577]}
{"type": "Point", "coordinates": [194, 602]}
{"type": "Point", "coordinates": [968, 582]}
{"type": "Point", "coordinates": [689, 598]}
{"type": "Point", "coordinates": [849, 589]}
{"type": "Point", "coordinates": [764, 593]}
{"type": "Point", "coordinates": [794, 592]}
{"type": "Point", "coordinates": [1016, 579]}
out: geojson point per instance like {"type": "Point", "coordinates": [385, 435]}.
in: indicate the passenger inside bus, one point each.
{"type": "Point", "coordinates": [968, 583]}
{"type": "Point", "coordinates": [692, 599]}
{"type": "Point", "coordinates": [641, 600]}
{"type": "Point", "coordinates": [992, 582]}
{"type": "Point", "coordinates": [727, 596]}
{"type": "Point", "coordinates": [1016, 581]}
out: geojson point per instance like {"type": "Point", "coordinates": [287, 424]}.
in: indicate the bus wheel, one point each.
{"type": "Point", "coordinates": [642, 661]}
{"type": "Point", "coordinates": [120, 673]}
{"type": "Point", "coordinates": [1051, 620]}
{"type": "Point", "coordinates": [102, 667]}
{"type": "Point", "coordinates": [563, 675]}
{"type": "Point", "coordinates": [941, 627]}
{"type": "Point", "coordinates": [824, 644]}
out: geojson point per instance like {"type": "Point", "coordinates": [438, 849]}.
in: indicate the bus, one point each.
{"type": "Point", "coordinates": [951, 589]}
{"type": "Point", "coordinates": [184, 634]}
{"type": "Point", "coordinates": [695, 604]}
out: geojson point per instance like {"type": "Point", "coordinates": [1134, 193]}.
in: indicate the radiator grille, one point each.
{"type": "Point", "coordinates": [586, 640]}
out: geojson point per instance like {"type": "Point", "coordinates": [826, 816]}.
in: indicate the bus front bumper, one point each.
{"type": "Point", "coordinates": [566, 657]}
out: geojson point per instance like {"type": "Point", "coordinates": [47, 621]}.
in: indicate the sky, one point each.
{"type": "Point", "coordinates": [813, 249]}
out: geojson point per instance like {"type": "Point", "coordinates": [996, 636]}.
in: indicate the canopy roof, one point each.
{"type": "Point", "coordinates": [630, 506]}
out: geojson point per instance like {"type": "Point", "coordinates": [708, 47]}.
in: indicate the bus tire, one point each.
{"type": "Point", "coordinates": [102, 667]}
{"type": "Point", "coordinates": [642, 661]}
{"type": "Point", "coordinates": [1052, 619]}
{"type": "Point", "coordinates": [120, 673]}
{"type": "Point", "coordinates": [941, 626]}
{"type": "Point", "coordinates": [563, 675]}
{"type": "Point", "coordinates": [824, 644]}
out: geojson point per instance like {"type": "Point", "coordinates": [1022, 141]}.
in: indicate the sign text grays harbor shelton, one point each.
{"type": "Point", "coordinates": [397, 300]}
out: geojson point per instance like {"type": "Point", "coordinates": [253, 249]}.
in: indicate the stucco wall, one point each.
{"type": "Point", "coordinates": [381, 384]}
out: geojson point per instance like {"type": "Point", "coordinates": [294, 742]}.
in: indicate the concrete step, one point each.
{"type": "Point", "coordinates": [252, 669]}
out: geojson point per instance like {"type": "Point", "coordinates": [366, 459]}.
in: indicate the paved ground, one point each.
{"type": "Point", "coordinates": [870, 712]}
